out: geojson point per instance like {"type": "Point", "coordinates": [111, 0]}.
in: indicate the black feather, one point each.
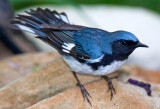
{"type": "Point", "coordinates": [57, 37]}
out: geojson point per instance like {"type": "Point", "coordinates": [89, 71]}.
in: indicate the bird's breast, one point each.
{"type": "Point", "coordinates": [79, 67]}
{"type": "Point", "coordinates": [103, 70]}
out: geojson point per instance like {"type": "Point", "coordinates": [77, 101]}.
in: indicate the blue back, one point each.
{"type": "Point", "coordinates": [94, 42]}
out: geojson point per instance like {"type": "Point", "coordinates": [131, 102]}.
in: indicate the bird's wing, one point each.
{"type": "Point", "coordinates": [87, 42]}
{"type": "Point", "coordinates": [51, 27]}
{"type": "Point", "coordinates": [61, 27]}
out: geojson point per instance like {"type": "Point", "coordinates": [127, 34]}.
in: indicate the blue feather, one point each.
{"type": "Point", "coordinates": [94, 42]}
{"type": "Point", "coordinates": [87, 42]}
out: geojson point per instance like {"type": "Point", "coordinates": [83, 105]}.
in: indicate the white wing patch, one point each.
{"type": "Point", "coordinates": [67, 47]}
{"type": "Point", "coordinates": [65, 50]}
{"type": "Point", "coordinates": [25, 28]}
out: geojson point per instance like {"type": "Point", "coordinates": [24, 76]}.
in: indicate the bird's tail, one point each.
{"type": "Point", "coordinates": [35, 18]}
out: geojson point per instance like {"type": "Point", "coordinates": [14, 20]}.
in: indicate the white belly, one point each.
{"type": "Point", "coordinates": [84, 68]}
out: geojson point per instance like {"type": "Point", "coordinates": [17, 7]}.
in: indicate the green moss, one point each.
{"type": "Point", "coordinates": [35, 67]}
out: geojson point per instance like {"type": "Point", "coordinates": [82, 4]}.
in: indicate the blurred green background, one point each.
{"type": "Point", "coordinates": [149, 4]}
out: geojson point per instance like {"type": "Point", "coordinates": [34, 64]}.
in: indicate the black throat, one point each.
{"type": "Point", "coordinates": [119, 53]}
{"type": "Point", "coordinates": [107, 60]}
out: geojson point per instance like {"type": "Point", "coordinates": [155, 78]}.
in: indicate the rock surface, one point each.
{"type": "Point", "coordinates": [127, 97]}
{"type": "Point", "coordinates": [38, 85]}
{"type": "Point", "coordinates": [18, 66]}
{"type": "Point", "coordinates": [54, 87]}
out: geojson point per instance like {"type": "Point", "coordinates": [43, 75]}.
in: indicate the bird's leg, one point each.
{"type": "Point", "coordinates": [110, 85]}
{"type": "Point", "coordinates": [83, 90]}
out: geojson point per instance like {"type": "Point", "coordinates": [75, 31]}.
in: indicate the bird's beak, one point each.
{"type": "Point", "coordinates": [141, 45]}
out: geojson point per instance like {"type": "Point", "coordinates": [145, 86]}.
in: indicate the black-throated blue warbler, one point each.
{"type": "Point", "coordinates": [86, 50]}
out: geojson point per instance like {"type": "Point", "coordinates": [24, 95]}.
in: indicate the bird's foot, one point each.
{"type": "Point", "coordinates": [110, 85]}
{"type": "Point", "coordinates": [84, 93]}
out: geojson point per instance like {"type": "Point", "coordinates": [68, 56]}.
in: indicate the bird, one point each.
{"type": "Point", "coordinates": [85, 50]}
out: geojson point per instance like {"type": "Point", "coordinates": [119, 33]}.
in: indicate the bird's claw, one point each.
{"type": "Point", "coordinates": [111, 89]}
{"type": "Point", "coordinates": [85, 93]}
{"type": "Point", "coordinates": [110, 86]}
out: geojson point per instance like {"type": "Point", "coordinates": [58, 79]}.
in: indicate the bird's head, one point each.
{"type": "Point", "coordinates": [124, 43]}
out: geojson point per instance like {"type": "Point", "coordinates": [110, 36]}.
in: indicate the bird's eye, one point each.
{"type": "Point", "coordinates": [128, 43]}
{"type": "Point", "coordinates": [124, 42]}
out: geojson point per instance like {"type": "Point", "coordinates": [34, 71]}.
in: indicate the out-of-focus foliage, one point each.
{"type": "Point", "coordinates": [150, 4]}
